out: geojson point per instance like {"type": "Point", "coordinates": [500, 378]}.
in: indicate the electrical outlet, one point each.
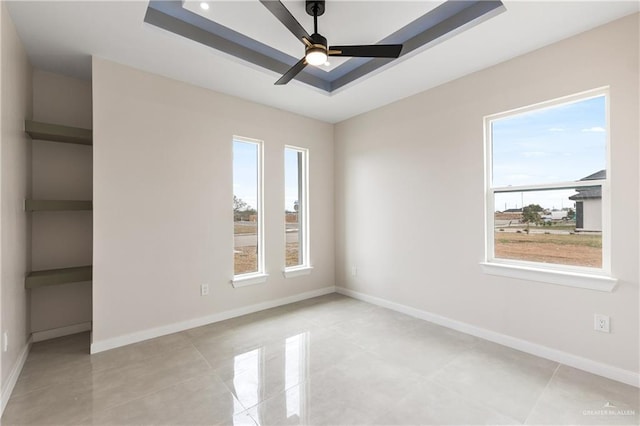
{"type": "Point", "coordinates": [5, 341]}
{"type": "Point", "coordinates": [601, 323]}
{"type": "Point", "coordinates": [354, 271]}
{"type": "Point", "coordinates": [204, 290]}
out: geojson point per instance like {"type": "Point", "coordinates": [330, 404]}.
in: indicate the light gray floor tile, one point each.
{"type": "Point", "coordinates": [334, 311]}
{"type": "Point", "coordinates": [423, 352]}
{"type": "Point", "coordinates": [329, 360]}
{"type": "Point", "coordinates": [431, 404]}
{"type": "Point", "coordinates": [67, 360]}
{"type": "Point", "coordinates": [202, 400]}
{"type": "Point", "coordinates": [504, 379]}
{"type": "Point", "coordinates": [378, 320]}
{"type": "Point", "coordinates": [300, 406]}
{"type": "Point", "coordinates": [72, 401]}
{"type": "Point", "coordinates": [365, 383]}
{"type": "Point", "coordinates": [577, 397]}
{"type": "Point", "coordinates": [261, 373]}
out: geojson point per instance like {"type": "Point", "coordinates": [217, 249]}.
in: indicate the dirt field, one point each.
{"type": "Point", "coordinates": [239, 228]}
{"type": "Point", "coordinates": [565, 249]}
{"type": "Point", "coordinates": [246, 261]}
{"type": "Point", "coordinates": [292, 254]}
{"type": "Point", "coordinates": [577, 249]}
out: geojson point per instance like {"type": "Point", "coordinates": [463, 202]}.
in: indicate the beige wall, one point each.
{"type": "Point", "coordinates": [64, 172]}
{"type": "Point", "coordinates": [425, 154]}
{"type": "Point", "coordinates": [163, 220]}
{"type": "Point", "coordinates": [15, 148]}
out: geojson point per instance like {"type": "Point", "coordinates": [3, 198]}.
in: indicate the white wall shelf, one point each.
{"type": "Point", "coordinates": [66, 134]}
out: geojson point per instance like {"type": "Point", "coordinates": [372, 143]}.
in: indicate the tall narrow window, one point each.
{"type": "Point", "coordinates": [296, 207]}
{"type": "Point", "coordinates": [247, 208]}
{"type": "Point", "coordinates": [547, 185]}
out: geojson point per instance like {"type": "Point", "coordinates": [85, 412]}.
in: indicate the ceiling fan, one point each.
{"type": "Point", "coordinates": [317, 50]}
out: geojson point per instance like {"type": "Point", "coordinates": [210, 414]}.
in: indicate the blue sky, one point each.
{"type": "Point", "coordinates": [245, 172]}
{"type": "Point", "coordinates": [245, 178]}
{"type": "Point", "coordinates": [564, 143]}
{"type": "Point", "coordinates": [290, 178]}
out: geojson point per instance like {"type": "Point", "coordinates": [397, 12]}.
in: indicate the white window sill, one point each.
{"type": "Point", "coordinates": [297, 271]}
{"type": "Point", "coordinates": [567, 278]}
{"type": "Point", "coordinates": [248, 279]}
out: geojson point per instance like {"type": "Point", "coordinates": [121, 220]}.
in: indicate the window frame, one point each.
{"type": "Point", "coordinates": [305, 267]}
{"type": "Point", "coordinates": [259, 276]}
{"type": "Point", "coordinates": [574, 276]}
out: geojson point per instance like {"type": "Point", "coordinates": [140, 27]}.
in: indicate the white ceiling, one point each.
{"type": "Point", "coordinates": [61, 36]}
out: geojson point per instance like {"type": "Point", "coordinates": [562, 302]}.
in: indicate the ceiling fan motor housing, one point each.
{"type": "Point", "coordinates": [318, 41]}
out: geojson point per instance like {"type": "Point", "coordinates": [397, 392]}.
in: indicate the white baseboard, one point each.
{"type": "Point", "coordinates": [39, 336]}
{"type": "Point", "coordinates": [151, 333]}
{"type": "Point", "coordinates": [7, 389]}
{"type": "Point", "coordinates": [595, 367]}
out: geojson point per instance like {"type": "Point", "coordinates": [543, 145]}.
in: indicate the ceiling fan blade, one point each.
{"type": "Point", "coordinates": [282, 13]}
{"type": "Point", "coordinates": [367, 51]}
{"type": "Point", "coordinates": [293, 71]}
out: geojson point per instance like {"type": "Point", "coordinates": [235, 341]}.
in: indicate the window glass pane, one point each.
{"type": "Point", "coordinates": [555, 226]}
{"type": "Point", "coordinates": [294, 206]}
{"type": "Point", "coordinates": [563, 143]}
{"type": "Point", "coordinates": [245, 207]}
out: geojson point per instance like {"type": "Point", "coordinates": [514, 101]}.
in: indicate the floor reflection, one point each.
{"type": "Point", "coordinates": [284, 372]}
{"type": "Point", "coordinates": [296, 372]}
{"type": "Point", "coordinates": [247, 380]}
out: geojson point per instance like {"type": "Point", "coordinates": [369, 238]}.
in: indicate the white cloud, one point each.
{"type": "Point", "coordinates": [595, 129]}
{"type": "Point", "coordinates": [556, 129]}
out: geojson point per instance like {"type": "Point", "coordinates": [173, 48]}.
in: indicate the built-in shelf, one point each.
{"type": "Point", "coordinates": [57, 133]}
{"type": "Point", "coordinates": [57, 205]}
{"type": "Point", "coordinates": [58, 276]}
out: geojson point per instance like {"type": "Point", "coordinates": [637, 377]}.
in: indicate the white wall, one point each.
{"type": "Point", "coordinates": [64, 172]}
{"type": "Point", "coordinates": [163, 220]}
{"type": "Point", "coordinates": [409, 200]}
{"type": "Point", "coordinates": [15, 148]}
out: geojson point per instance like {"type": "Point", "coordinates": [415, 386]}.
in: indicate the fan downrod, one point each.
{"type": "Point", "coordinates": [315, 7]}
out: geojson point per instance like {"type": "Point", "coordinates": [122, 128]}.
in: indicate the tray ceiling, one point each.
{"type": "Point", "coordinates": [62, 36]}
{"type": "Point", "coordinates": [247, 30]}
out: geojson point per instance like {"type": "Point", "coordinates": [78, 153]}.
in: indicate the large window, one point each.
{"type": "Point", "coordinates": [247, 208]}
{"type": "Point", "coordinates": [296, 207]}
{"type": "Point", "coordinates": [547, 185]}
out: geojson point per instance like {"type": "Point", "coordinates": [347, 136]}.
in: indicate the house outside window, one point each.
{"type": "Point", "coordinates": [547, 185]}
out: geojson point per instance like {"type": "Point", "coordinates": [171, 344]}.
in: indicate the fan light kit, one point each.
{"type": "Point", "coordinates": [317, 50]}
{"type": "Point", "coordinates": [316, 56]}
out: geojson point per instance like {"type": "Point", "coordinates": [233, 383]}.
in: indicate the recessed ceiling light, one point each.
{"type": "Point", "coordinates": [327, 64]}
{"type": "Point", "coordinates": [204, 5]}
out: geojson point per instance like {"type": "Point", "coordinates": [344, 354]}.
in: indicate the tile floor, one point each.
{"type": "Point", "coordinates": [331, 360]}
